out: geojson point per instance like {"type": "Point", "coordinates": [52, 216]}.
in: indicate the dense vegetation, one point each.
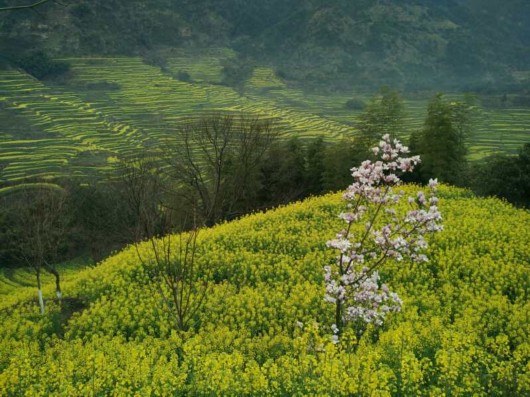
{"type": "Point", "coordinates": [413, 44]}
{"type": "Point", "coordinates": [219, 167]}
{"type": "Point", "coordinates": [156, 128]}
{"type": "Point", "coordinates": [264, 327]}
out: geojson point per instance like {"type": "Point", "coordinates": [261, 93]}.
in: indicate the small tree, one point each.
{"type": "Point", "coordinates": [352, 282]}
{"type": "Point", "coordinates": [177, 275]}
{"type": "Point", "coordinates": [38, 231]}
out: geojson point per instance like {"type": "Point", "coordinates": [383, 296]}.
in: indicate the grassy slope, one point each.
{"type": "Point", "coordinates": [119, 105]}
{"type": "Point", "coordinates": [463, 330]}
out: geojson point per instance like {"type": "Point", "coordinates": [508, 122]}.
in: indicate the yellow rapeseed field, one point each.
{"type": "Point", "coordinates": [264, 328]}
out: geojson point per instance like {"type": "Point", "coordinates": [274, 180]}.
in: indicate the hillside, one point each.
{"type": "Point", "coordinates": [411, 44]}
{"type": "Point", "coordinates": [264, 327]}
{"type": "Point", "coordinates": [106, 107]}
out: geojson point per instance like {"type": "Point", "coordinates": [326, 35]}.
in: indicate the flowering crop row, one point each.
{"type": "Point", "coordinates": [264, 329]}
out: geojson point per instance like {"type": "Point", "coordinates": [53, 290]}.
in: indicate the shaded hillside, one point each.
{"type": "Point", "coordinates": [415, 44]}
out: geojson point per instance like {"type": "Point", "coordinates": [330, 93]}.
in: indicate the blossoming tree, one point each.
{"type": "Point", "coordinates": [387, 230]}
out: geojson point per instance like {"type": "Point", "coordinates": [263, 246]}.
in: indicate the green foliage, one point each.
{"type": "Point", "coordinates": [114, 107]}
{"type": "Point", "coordinates": [237, 71]}
{"type": "Point", "coordinates": [354, 104]}
{"type": "Point", "coordinates": [406, 43]}
{"type": "Point", "coordinates": [504, 176]}
{"type": "Point", "coordinates": [284, 173]}
{"type": "Point", "coordinates": [41, 66]}
{"type": "Point", "coordinates": [463, 329]}
{"type": "Point", "coordinates": [442, 143]}
{"type": "Point", "coordinates": [338, 160]}
{"type": "Point", "coordinates": [184, 76]}
{"type": "Point", "coordinates": [383, 115]}
{"type": "Point", "coordinates": [315, 153]}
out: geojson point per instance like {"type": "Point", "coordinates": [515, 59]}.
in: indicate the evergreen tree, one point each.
{"type": "Point", "coordinates": [315, 165]}
{"type": "Point", "coordinates": [284, 173]}
{"type": "Point", "coordinates": [383, 115]}
{"type": "Point", "coordinates": [442, 141]}
{"type": "Point", "coordinates": [339, 158]}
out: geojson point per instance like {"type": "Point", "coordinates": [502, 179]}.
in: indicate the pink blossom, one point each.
{"type": "Point", "coordinates": [352, 283]}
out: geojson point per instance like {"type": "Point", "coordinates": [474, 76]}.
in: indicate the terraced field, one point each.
{"type": "Point", "coordinates": [115, 106]}
{"type": "Point", "coordinates": [60, 134]}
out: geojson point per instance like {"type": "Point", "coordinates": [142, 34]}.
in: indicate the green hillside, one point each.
{"type": "Point", "coordinates": [114, 106]}
{"type": "Point", "coordinates": [410, 44]}
{"type": "Point", "coordinates": [264, 327]}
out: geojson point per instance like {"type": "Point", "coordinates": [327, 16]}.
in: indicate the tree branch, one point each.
{"type": "Point", "coordinates": [27, 7]}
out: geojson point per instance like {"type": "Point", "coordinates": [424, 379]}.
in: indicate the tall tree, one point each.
{"type": "Point", "coordinates": [383, 115]}
{"type": "Point", "coordinates": [213, 162]}
{"type": "Point", "coordinates": [284, 173]}
{"type": "Point", "coordinates": [315, 165]}
{"type": "Point", "coordinates": [442, 141]}
{"type": "Point", "coordinates": [339, 158]}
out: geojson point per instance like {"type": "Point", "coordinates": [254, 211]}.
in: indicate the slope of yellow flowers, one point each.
{"type": "Point", "coordinates": [264, 328]}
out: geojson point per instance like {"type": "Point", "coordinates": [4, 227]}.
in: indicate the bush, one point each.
{"type": "Point", "coordinates": [103, 86]}
{"type": "Point", "coordinates": [184, 76]}
{"type": "Point", "coordinates": [41, 66]}
{"type": "Point", "coordinates": [354, 104]}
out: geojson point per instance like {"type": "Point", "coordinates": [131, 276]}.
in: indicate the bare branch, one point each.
{"type": "Point", "coordinates": [26, 7]}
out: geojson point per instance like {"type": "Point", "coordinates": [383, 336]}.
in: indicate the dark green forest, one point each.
{"type": "Point", "coordinates": [409, 44]}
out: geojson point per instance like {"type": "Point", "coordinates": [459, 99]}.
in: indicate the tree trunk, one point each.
{"type": "Point", "coordinates": [338, 315]}
{"type": "Point", "coordinates": [39, 287]}
{"type": "Point", "coordinates": [54, 271]}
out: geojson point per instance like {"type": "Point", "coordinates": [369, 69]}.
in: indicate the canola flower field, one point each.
{"type": "Point", "coordinates": [264, 328]}
{"type": "Point", "coordinates": [113, 106]}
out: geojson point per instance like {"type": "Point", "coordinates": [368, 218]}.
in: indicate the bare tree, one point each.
{"type": "Point", "coordinates": [141, 189]}
{"type": "Point", "coordinates": [170, 260]}
{"type": "Point", "coordinates": [179, 278]}
{"type": "Point", "coordinates": [38, 230]}
{"type": "Point", "coordinates": [213, 162]}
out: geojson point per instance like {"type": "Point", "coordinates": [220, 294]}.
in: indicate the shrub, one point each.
{"type": "Point", "coordinates": [41, 66]}
{"type": "Point", "coordinates": [184, 76]}
{"type": "Point", "coordinates": [354, 104]}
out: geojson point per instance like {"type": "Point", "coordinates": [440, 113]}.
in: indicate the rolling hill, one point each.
{"type": "Point", "coordinates": [264, 327]}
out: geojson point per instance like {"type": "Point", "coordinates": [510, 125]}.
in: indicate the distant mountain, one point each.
{"type": "Point", "coordinates": [411, 44]}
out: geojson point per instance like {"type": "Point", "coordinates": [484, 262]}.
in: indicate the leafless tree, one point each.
{"type": "Point", "coordinates": [213, 162]}
{"type": "Point", "coordinates": [38, 230]}
{"type": "Point", "coordinates": [170, 259]}
{"type": "Point", "coordinates": [177, 275]}
{"type": "Point", "coordinates": [141, 189]}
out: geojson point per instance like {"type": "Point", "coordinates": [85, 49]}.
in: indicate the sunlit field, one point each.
{"type": "Point", "coordinates": [264, 328]}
